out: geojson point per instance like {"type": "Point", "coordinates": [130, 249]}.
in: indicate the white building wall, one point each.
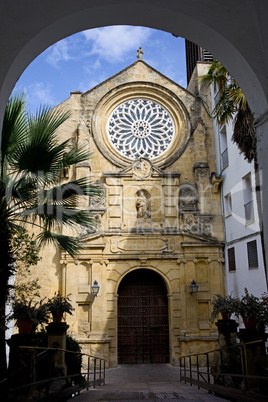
{"type": "Point", "coordinates": [237, 231]}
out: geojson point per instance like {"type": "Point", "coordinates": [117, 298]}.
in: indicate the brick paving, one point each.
{"type": "Point", "coordinates": [145, 382]}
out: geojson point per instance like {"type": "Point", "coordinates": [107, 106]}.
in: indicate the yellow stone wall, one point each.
{"type": "Point", "coordinates": [177, 242]}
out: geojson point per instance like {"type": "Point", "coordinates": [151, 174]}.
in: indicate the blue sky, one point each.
{"type": "Point", "coordinates": [83, 60]}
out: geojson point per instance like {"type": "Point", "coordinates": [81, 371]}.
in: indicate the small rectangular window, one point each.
{"type": "Point", "coordinates": [231, 259]}
{"type": "Point", "coordinates": [248, 199]}
{"type": "Point", "coordinates": [252, 254]}
{"type": "Point", "coordinates": [227, 205]}
{"type": "Point", "coordinates": [224, 148]}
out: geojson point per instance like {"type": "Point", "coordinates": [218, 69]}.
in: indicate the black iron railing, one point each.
{"type": "Point", "coordinates": [224, 372]}
{"type": "Point", "coordinates": [48, 387]}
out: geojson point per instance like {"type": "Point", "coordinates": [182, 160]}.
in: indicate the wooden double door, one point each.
{"type": "Point", "coordinates": [143, 332]}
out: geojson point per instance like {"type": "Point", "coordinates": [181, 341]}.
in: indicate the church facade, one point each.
{"type": "Point", "coordinates": [158, 222]}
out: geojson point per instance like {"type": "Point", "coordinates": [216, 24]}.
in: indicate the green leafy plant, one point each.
{"type": "Point", "coordinates": [29, 309]}
{"type": "Point", "coordinates": [59, 304]}
{"type": "Point", "coordinates": [226, 305]}
{"type": "Point", "coordinates": [250, 305]}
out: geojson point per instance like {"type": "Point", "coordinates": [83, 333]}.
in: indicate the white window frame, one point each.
{"type": "Point", "coordinates": [227, 205]}
{"type": "Point", "coordinates": [248, 200]}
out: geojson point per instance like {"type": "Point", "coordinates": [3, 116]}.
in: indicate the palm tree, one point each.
{"type": "Point", "coordinates": [32, 190]}
{"type": "Point", "coordinates": [232, 104]}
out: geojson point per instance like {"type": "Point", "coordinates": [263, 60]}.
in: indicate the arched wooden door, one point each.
{"type": "Point", "coordinates": [143, 335]}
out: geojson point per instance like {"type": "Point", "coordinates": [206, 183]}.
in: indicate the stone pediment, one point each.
{"type": "Point", "coordinates": [141, 169]}
{"type": "Point", "coordinates": [145, 72]}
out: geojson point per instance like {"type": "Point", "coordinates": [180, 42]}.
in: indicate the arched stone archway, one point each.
{"type": "Point", "coordinates": [28, 32]}
{"type": "Point", "coordinates": [143, 325]}
{"type": "Point", "coordinates": [28, 29]}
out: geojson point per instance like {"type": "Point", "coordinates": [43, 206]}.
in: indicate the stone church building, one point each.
{"type": "Point", "coordinates": [159, 221]}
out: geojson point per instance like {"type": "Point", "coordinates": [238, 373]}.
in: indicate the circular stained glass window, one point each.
{"type": "Point", "coordinates": [141, 128]}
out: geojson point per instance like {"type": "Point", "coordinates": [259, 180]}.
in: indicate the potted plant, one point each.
{"type": "Point", "coordinates": [28, 314]}
{"type": "Point", "coordinates": [58, 305]}
{"type": "Point", "coordinates": [224, 305]}
{"type": "Point", "coordinates": [252, 310]}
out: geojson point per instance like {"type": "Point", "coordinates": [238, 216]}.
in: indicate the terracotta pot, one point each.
{"type": "Point", "coordinates": [25, 326]}
{"type": "Point", "coordinates": [57, 317]}
{"type": "Point", "coordinates": [250, 322]}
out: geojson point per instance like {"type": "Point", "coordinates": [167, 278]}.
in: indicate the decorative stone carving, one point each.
{"type": "Point", "coordinates": [197, 224]}
{"type": "Point", "coordinates": [190, 224]}
{"type": "Point", "coordinates": [142, 168]}
{"type": "Point", "coordinates": [143, 244]}
{"type": "Point", "coordinates": [98, 201]}
{"type": "Point", "coordinates": [188, 198]}
{"type": "Point", "coordinates": [141, 128]}
{"type": "Point", "coordinates": [91, 230]}
{"type": "Point", "coordinates": [215, 181]}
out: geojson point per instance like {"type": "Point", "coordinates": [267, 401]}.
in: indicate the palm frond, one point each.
{"type": "Point", "coordinates": [237, 96]}
{"type": "Point", "coordinates": [14, 124]}
{"type": "Point", "coordinates": [39, 150]}
{"type": "Point", "coordinates": [216, 75]}
{"type": "Point", "coordinates": [33, 190]}
{"type": "Point", "coordinates": [231, 104]}
{"type": "Point", "coordinates": [70, 244]}
{"type": "Point", "coordinates": [76, 155]}
{"type": "Point", "coordinates": [225, 109]}
{"type": "Point", "coordinates": [79, 187]}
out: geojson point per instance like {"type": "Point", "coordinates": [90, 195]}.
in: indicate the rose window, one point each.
{"type": "Point", "coordinates": [141, 128]}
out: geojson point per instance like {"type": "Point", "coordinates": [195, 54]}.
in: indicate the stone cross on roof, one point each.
{"type": "Point", "coordinates": [140, 53]}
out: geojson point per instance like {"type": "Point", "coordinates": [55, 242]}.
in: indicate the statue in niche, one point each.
{"type": "Point", "coordinates": [142, 205]}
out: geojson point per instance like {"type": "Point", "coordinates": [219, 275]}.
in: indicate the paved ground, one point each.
{"type": "Point", "coordinates": [145, 382]}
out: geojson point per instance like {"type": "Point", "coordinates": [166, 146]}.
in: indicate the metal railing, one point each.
{"type": "Point", "coordinates": [48, 387]}
{"type": "Point", "coordinates": [224, 372]}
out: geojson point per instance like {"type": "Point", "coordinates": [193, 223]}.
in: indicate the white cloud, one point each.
{"type": "Point", "coordinates": [39, 93]}
{"type": "Point", "coordinates": [113, 43]}
{"type": "Point", "coordinates": [92, 67]}
{"type": "Point", "coordinates": [60, 52]}
{"type": "Point", "coordinates": [91, 83]}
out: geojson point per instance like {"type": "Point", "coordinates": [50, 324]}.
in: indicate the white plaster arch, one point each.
{"type": "Point", "coordinates": [236, 32]}
{"type": "Point", "coordinates": [29, 30]}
